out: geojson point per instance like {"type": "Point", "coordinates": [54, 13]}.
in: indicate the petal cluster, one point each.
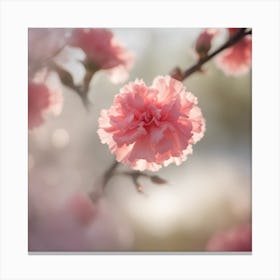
{"type": "Point", "coordinates": [150, 127]}
{"type": "Point", "coordinates": [103, 51]}
{"type": "Point", "coordinates": [237, 59]}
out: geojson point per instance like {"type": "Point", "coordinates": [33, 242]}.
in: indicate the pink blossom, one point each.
{"type": "Point", "coordinates": [204, 40]}
{"type": "Point", "coordinates": [42, 98]}
{"type": "Point", "coordinates": [235, 239]}
{"type": "Point", "coordinates": [103, 51]}
{"type": "Point", "coordinates": [38, 101]}
{"type": "Point", "coordinates": [237, 59]}
{"type": "Point", "coordinates": [147, 127]}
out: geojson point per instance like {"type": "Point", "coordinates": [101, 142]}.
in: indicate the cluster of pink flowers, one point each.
{"type": "Point", "coordinates": [150, 127]}
{"type": "Point", "coordinates": [44, 95]}
{"type": "Point", "coordinates": [146, 128]}
{"type": "Point", "coordinates": [103, 51]}
{"type": "Point", "coordinates": [236, 60]}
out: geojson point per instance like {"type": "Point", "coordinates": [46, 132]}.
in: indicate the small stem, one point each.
{"type": "Point", "coordinates": [96, 194]}
{"type": "Point", "coordinates": [83, 92]}
{"type": "Point", "coordinates": [109, 173]}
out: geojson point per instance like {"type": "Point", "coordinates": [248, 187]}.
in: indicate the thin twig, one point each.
{"type": "Point", "coordinates": [108, 173]}
{"type": "Point", "coordinates": [234, 39]}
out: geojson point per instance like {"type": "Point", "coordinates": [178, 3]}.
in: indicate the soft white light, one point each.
{"type": "Point", "coordinates": [60, 138]}
{"type": "Point", "coordinates": [158, 213]}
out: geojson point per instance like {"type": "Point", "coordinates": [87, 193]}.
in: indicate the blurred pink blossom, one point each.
{"type": "Point", "coordinates": [237, 59]}
{"type": "Point", "coordinates": [235, 239]}
{"type": "Point", "coordinates": [38, 101]}
{"type": "Point", "coordinates": [43, 98]}
{"type": "Point", "coordinates": [82, 208]}
{"type": "Point", "coordinates": [103, 51]}
{"type": "Point", "coordinates": [147, 127]}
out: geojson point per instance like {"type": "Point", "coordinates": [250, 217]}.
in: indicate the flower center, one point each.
{"type": "Point", "coordinates": [148, 118]}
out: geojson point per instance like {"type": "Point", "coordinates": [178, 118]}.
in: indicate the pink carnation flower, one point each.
{"type": "Point", "coordinates": [42, 99]}
{"type": "Point", "coordinates": [150, 127]}
{"type": "Point", "coordinates": [103, 51]}
{"type": "Point", "coordinates": [235, 239]}
{"type": "Point", "coordinates": [237, 59]}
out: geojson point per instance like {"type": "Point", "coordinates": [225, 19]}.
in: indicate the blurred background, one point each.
{"type": "Point", "coordinates": [209, 192]}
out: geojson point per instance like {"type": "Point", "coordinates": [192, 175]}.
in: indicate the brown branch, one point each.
{"type": "Point", "coordinates": [109, 173]}
{"type": "Point", "coordinates": [67, 79]}
{"type": "Point", "coordinates": [231, 41]}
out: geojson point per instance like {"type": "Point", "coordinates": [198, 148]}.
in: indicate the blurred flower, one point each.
{"type": "Point", "coordinates": [235, 239]}
{"type": "Point", "coordinates": [147, 127]}
{"type": "Point", "coordinates": [75, 225]}
{"type": "Point", "coordinates": [82, 208]}
{"type": "Point", "coordinates": [236, 60]}
{"type": "Point", "coordinates": [42, 98]}
{"type": "Point", "coordinates": [44, 43]}
{"type": "Point", "coordinates": [103, 52]}
{"type": "Point", "coordinates": [38, 101]}
{"type": "Point", "coordinates": [204, 40]}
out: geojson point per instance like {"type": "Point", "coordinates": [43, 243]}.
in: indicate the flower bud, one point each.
{"type": "Point", "coordinates": [203, 42]}
{"type": "Point", "coordinates": [158, 180]}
